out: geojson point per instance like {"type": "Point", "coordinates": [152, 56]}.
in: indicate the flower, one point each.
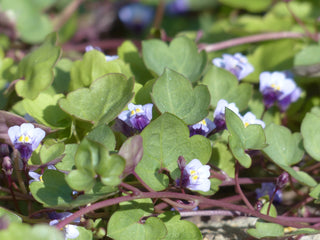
{"type": "Point", "coordinates": [237, 64]}
{"type": "Point", "coordinates": [177, 6]}
{"type": "Point", "coordinates": [268, 189]}
{"type": "Point", "coordinates": [203, 127]}
{"type": "Point", "coordinates": [137, 116]}
{"type": "Point", "coordinates": [108, 57]}
{"type": "Point", "coordinates": [195, 176]}
{"type": "Point", "coordinates": [278, 87]}
{"type": "Point", "coordinates": [250, 118]}
{"type": "Point", "coordinates": [26, 138]}
{"type": "Point", "coordinates": [136, 16]}
{"type": "Point", "coordinates": [219, 113]}
{"type": "Point", "coordinates": [70, 231]}
{"type": "Point", "coordinates": [38, 177]}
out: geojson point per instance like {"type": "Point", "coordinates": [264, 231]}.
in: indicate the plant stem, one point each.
{"type": "Point", "coordinates": [238, 188]}
{"type": "Point", "coordinates": [200, 199]}
{"type": "Point", "coordinates": [249, 39]}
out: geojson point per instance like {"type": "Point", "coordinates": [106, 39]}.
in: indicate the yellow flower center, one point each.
{"type": "Point", "coordinates": [137, 110]}
{"type": "Point", "coordinates": [246, 124]}
{"type": "Point", "coordinates": [24, 139]}
{"type": "Point", "coordinates": [276, 87]}
{"type": "Point", "coordinates": [203, 122]}
{"type": "Point", "coordinates": [194, 175]}
{"type": "Point", "coordinates": [40, 178]}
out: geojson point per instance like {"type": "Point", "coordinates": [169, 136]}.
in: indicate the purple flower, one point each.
{"type": "Point", "coordinates": [108, 57]}
{"type": "Point", "coordinates": [250, 118]}
{"type": "Point", "coordinates": [136, 16]}
{"type": "Point", "coordinates": [195, 176]}
{"type": "Point", "coordinates": [178, 6]}
{"type": "Point", "coordinates": [237, 64]}
{"type": "Point", "coordinates": [268, 189]}
{"type": "Point", "coordinates": [26, 138]}
{"type": "Point", "coordinates": [70, 231]}
{"type": "Point", "coordinates": [277, 87]}
{"type": "Point", "coordinates": [219, 113]}
{"type": "Point", "coordinates": [203, 127]}
{"type": "Point", "coordinates": [137, 116]}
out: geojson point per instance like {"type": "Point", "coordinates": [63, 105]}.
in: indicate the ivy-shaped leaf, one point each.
{"type": "Point", "coordinates": [164, 140]}
{"type": "Point", "coordinates": [310, 130]}
{"type": "Point", "coordinates": [243, 138]}
{"type": "Point", "coordinates": [128, 221]}
{"type": "Point", "coordinates": [224, 85]}
{"type": "Point", "coordinates": [173, 93]}
{"type": "Point", "coordinates": [36, 69]}
{"type": "Point", "coordinates": [102, 102]}
{"type": "Point", "coordinates": [181, 56]}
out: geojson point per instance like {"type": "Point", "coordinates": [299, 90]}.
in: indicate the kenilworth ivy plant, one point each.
{"type": "Point", "coordinates": [128, 146]}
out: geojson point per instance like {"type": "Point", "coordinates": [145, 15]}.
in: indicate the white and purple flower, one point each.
{"type": "Point", "coordinates": [250, 118]}
{"type": "Point", "coordinates": [203, 127]}
{"type": "Point", "coordinates": [36, 177]}
{"type": "Point", "coordinates": [195, 176]}
{"type": "Point", "coordinates": [138, 116]}
{"type": "Point", "coordinates": [277, 87]}
{"type": "Point", "coordinates": [26, 138]}
{"type": "Point", "coordinates": [237, 64]}
{"type": "Point", "coordinates": [70, 231]}
{"type": "Point", "coordinates": [219, 113]}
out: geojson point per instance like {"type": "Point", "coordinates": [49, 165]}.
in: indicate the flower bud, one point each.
{"type": "Point", "coordinates": [282, 180]}
{"type": "Point", "coordinates": [7, 166]}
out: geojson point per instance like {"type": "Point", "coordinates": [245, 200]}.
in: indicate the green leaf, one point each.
{"type": "Point", "coordinates": [307, 61]}
{"type": "Point", "coordinates": [224, 85]}
{"type": "Point", "coordinates": [284, 147]}
{"type": "Point", "coordinates": [67, 162]}
{"type": "Point", "coordinates": [93, 66]}
{"type": "Point", "coordinates": [103, 135]}
{"type": "Point", "coordinates": [264, 229]}
{"type": "Point", "coordinates": [54, 191]}
{"type": "Point", "coordinates": [62, 75]}
{"type": "Point", "coordinates": [181, 56]}
{"type": "Point", "coordinates": [173, 93]}
{"type": "Point", "coordinates": [36, 69]}
{"type": "Point", "coordinates": [272, 212]}
{"type": "Point", "coordinates": [31, 23]}
{"type": "Point", "coordinates": [243, 138]}
{"type": "Point", "coordinates": [93, 158]}
{"type": "Point", "coordinates": [179, 229]}
{"type": "Point", "coordinates": [9, 216]}
{"type": "Point", "coordinates": [143, 96]}
{"type": "Point", "coordinates": [102, 102]}
{"type": "Point", "coordinates": [129, 222]}
{"type": "Point", "coordinates": [315, 193]}
{"type": "Point", "coordinates": [51, 150]}
{"type": "Point", "coordinates": [300, 176]}
{"type": "Point", "coordinates": [164, 140]}
{"type": "Point", "coordinates": [129, 53]}
{"type": "Point", "coordinates": [310, 130]}
{"type": "Point", "coordinates": [44, 109]}
{"type": "Point", "coordinates": [223, 158]}
{"type": "Point", "coordinates": [22, 231]}
{"type": "Point", "coordinates": [250, 5]}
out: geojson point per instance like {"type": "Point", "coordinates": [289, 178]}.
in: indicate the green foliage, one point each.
{"type": "Point", "coordinates": [181, 56]}
{"type": "Point", "coordinates": [129, 221]}
{"type": "Point", "coordinates": [264, 229]}
{"type": "Point", "coordinates": [164, 140]}
{"type": "Point", "coordinates": [243, 138]}
{"type": "Point", "coordinates": [251, 5]}
{"type": "Point", "coordinates": [174, 94]}
{"type": "Point", "coordinates": [224, 85]}
{"type": "Point", "coordinates": [35, 71]}
{"type": "Point", "coordinates": [179, 229]}
{"type": "Point", "coordinates": [310, 130]}
{"type": "Point", "coordinates": [102, 102]}
{"type": "Point", "coordinates": [36, 232]}
{"type": "Point", "coordinates": [9, 216]}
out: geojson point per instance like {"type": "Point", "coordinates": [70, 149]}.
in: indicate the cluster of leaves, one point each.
{"type": "Point", "coordinates": [77, 104]}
